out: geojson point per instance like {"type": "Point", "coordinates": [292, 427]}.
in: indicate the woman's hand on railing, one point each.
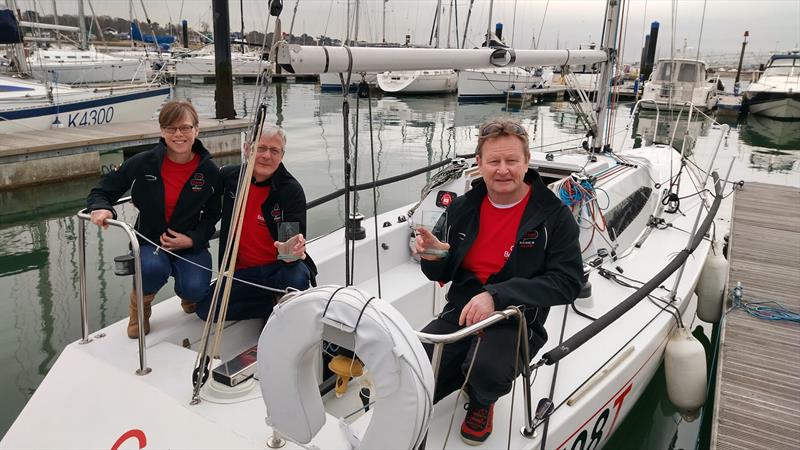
{"type": "Point", "coordinates": [99, 216]}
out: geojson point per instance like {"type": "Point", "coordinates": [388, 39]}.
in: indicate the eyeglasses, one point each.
{"type": "Point", "coordinates": [274, 151]}
{"type": "Point", "coordinates": [494, 128]}
{"type": "Point", "coordinates": [183, 128]}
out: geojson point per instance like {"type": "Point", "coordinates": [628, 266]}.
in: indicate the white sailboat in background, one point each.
{"type": "Point", "coordinates": [584, 396]}
{"type": "Point", "coordinates": [403, 82]}
{"type": "Point", "coordinates": [74, 66]}
{"type": "Point", "coordinates": [27, 104]}
{"type": "Point", "coordinates": [494, 83]}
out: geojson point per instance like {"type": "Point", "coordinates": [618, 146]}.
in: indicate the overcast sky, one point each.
{"type": "Point", "coordinates": [773, 24]}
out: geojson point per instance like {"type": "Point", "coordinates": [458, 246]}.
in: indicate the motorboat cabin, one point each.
{"type": "Point", "coordinates": [676, 83]}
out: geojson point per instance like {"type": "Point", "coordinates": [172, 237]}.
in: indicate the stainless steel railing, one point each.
{"type": "Point", "coordinates": [84, 217]}
{"type": "Point", "coordinates": [439, 340]}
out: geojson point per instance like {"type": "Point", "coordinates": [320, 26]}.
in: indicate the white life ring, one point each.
{"type": "Point", "coordinates": [288, 363]}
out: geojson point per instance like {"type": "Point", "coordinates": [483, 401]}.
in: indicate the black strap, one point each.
{"type": "Point", "coordinates": [362, 313]}
{"type": "Point", "coordinates": [330, 300]}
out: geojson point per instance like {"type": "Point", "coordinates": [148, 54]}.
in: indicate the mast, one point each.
{"type": "Point", "coordinates": [449, 23]}
{"type": "Point", "coordinates": [130, 16]}
{"type": "Point", "coordinates": [604, 84]}
{"type": "Point", "coordinates": [82, 40]}
{"type": "Point", "coordinates": [383, 25]}
{"type": "Point", "coordinates": [489, 27]}
{"type": "Point", "coordinates": [466, 25]}
{"type": "Point", "coordinates": [455, 11]}
{"type": "Point", "coordinates": [438, 20]}
{"type": "Point", "coordinates": [355, 32]}
{"type": "Point", "coordinates": [294, 14]}
{"type": "Point", "coordinates": [241, 14]}
{"type": "Point", "coordinates": [55, 22]}
{"type": "Point", "coordinates": [347, 25]}
{"type": "Point", "coordinates": [739, 68]}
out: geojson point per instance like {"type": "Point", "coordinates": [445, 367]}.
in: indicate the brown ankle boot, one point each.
{"type": "Point", "coordinates": [133, 321]}
{"type": "Point", "coordinates": [188, 306]}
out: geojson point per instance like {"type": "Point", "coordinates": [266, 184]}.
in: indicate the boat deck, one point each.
{"type": "Point", "coordinates": [758, 377]}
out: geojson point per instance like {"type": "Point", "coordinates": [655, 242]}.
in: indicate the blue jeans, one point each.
{"type": "Point", "coordinates": [191, 282]}
{"type": "Point", "coordinates": [251, 302]}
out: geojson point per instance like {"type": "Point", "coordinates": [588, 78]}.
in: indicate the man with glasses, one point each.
{"type": "Point", "coordinates": [509, 241]}
{"type": "Point", "coordinates": [267, 256]}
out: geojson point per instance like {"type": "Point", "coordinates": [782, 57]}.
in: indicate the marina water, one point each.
{"type": "Point", "coordinates": [40, 314]}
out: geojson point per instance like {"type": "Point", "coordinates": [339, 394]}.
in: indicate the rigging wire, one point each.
{"type": "Point", "coordinates": [702, 24]}
{"type": "Point", "coordinates": [374, 192]}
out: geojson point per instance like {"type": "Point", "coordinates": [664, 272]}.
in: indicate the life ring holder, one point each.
{"type": "Point", "coordinates": [288, 363]}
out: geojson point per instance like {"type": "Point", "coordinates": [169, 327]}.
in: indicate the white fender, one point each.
{"type": "Point", "coordinates": [685, 367]}
{"type": "Point", "coordinates": [288, 361]}
{"type": "Point", "coordinates": [711, 287]}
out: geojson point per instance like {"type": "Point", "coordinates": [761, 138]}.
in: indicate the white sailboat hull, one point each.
{"type": "Point", "coordinates": [91, 72]}
{"type": "Point", "coordinates": [200, 66]}
{"type": "Point", "coordinates": [86, 67]}
{"type": "Point", "coordinates": [77, 107]}
{"type": "Point", "coordinates": [418, 82]}
{"type": "Point", "coordinates": [92, 397]}
{"type": "Point", "coordinates": [493, 84]}
{"type": "Point", "coordinates": [330, 82]}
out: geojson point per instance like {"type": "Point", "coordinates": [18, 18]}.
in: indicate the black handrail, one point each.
{"type": "Point", "coordinates": [363, 186]}
{"type": "Point", "coordinates": [581, 337]}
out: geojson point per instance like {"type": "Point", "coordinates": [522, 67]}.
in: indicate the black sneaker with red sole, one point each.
{"type": "Point", "coordinates": [477, 425]}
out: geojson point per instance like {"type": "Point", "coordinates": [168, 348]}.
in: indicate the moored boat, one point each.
{"type": "Point", "coordinates": [776, 94]}
{"type": "Point", "coordinates": [629, 241]}
{"type": "Point", "coordinates": [677, 83]}
{"type": "Point", "coordinates": [30, 105]}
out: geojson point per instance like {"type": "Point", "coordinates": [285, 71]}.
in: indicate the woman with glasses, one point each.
{"type": "Point", "coordinates": [174, 187]}
{"type": "Point", "coordinates": [509, 241]}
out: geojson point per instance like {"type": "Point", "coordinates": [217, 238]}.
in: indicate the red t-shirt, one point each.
{"type": "Point", "coordinates": [174, 176]}
{"type": "Point", "coordinates": [497, 234]}
{"type": "Point", "coordinates": [256, 247]}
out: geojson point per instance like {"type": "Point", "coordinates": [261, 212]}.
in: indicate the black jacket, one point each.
{"type": "Point", "coordinates": [286, 202]}
{"type": "Point", "coordinates": [196, 212]}
{"type": "Point", "coordinates": [544, 269]}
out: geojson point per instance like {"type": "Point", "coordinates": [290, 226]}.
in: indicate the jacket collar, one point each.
{"type": "Point", "coordinates": [277, 179]}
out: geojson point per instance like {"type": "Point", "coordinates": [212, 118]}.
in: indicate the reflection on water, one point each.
{"type": "Point", "coordinates": [776, 143]}
{"type": "Point", "coordinates": [670, 127]}
{"type": "Point", "coordinates": [38, 254]}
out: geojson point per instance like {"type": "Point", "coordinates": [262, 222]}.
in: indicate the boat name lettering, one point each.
{"type": "Point", "coordinates": [95, 116]}
{"type": "Point", "coordinates": [592, 432]}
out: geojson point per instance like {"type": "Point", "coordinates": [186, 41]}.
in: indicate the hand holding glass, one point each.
{"type": "Point", "coordinates": [291, 244]}
{"type": "Point", "coordinates": [427, 244]}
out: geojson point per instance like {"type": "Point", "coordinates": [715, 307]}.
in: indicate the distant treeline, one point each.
{"type": "Point", "coordinates": [123, 26]}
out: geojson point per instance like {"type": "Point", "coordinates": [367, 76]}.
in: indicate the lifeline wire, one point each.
{"type": "Point", "coordinates": [214, 272]}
